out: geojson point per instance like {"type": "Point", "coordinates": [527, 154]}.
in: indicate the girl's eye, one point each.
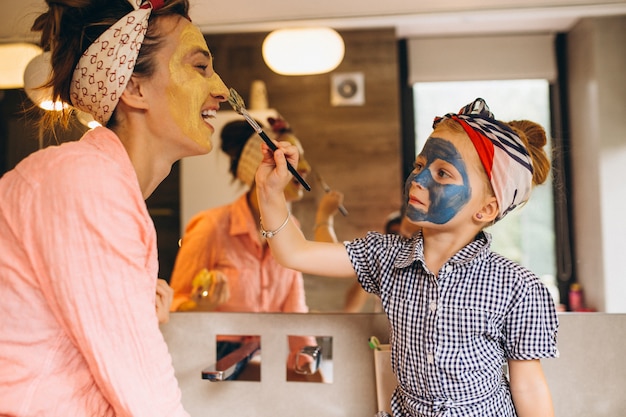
{"type": "Point", "coordinates": [443, 174]}
{"type": "Point", "coordinates": [418, 166]}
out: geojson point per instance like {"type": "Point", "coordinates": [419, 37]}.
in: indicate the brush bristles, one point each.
{"type": "Point", "coordinates": [235, 100]}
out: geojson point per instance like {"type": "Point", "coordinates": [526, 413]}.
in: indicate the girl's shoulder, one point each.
{"type": "Point", "coordinates": [387, 246]}
{"type": "Point", "coordinates": [512, 272]}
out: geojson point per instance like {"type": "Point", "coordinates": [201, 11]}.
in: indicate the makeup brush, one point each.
{"type": "Point", "coordinates": [239, 106]}
{"type": "Point", "coordinates": [326, 188]}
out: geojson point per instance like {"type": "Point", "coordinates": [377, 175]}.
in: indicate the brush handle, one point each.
{"type": "Point", "coordinates": [326, 188]}
{"type": "Point", "coordinates": [291, 169]}
{"type": "Point", "coordinates": [241, 110]}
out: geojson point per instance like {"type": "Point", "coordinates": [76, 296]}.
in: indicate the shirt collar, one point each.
{"type": "Point", "coordinates": [414, 250]}
{"type": "Point", "coordinates": [241, 220]}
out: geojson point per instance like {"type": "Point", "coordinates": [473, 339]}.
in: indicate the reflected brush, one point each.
{"type": "Point", "coordinates": [326, 188]}
{"type": "Point", "coordinates": [239, 106]}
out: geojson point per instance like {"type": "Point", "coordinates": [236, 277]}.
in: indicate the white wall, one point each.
{"type": "Point", "coordinates": [597, 88]}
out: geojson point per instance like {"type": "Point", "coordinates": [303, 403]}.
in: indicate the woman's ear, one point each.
{"type": "Point", "coordinates": [134, 94]}
{"type": "Point", "coordinates": [488, 212]}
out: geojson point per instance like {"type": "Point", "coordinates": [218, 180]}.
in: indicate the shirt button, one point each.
{"type": "Point", "coordinates": [448, 269]}
{"type": "Point", "coordinates": [430, 358]}
{"type": "Point", "coordinates": [433, 306]}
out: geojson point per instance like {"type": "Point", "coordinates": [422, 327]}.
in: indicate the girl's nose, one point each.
{"type": "Point", "coordinates": [424, 178]}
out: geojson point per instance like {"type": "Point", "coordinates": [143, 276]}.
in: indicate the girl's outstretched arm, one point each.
{"type": "Point", "coordinates": [288, 244]}
{"type": "Point", "coordinates": [531, 395]}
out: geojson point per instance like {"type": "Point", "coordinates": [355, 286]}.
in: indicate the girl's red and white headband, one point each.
{"type": "Point", "coordinates": [502, 153]}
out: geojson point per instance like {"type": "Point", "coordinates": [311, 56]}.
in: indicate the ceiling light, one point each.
{"type": "Point", "coordinates": [36, 74]}
{"type": "Point", "coordinates": [303, 51]}
{"type": "Point", "coordinates": [13, 60]}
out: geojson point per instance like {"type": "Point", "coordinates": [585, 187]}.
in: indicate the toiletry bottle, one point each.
{"type": "Point", "coordinates": [576, 297]}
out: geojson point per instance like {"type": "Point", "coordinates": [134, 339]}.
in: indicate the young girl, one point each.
{"type": "Point", "coordinates": [78, 271]}
{"type": "Point", "coordinates": [457, 310]}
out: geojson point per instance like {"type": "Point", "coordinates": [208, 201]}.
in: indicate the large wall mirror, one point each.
{"type": "Point", "coordinates": [365, 149]}
{"type": "Point", "coordinates": [356, 148]}
{"type": "Point", "coordinates": [362, 150]}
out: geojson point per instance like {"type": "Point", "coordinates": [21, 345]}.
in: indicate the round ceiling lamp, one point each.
{"type": "Point", "coordinates": [303, 51]}
{"type": "Point", "coordinates": [14, 57]}
{"type": "Point", "coordinates": [36, 74]}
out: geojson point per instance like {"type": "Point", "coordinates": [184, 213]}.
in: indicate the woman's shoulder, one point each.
{"type": "Point", "coordinates": [211, 220]}
{"type": "Point", "coordinates": [92, 152]}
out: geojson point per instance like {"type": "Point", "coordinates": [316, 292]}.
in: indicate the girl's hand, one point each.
{"type": "Point", "coordinates": [272, 176]}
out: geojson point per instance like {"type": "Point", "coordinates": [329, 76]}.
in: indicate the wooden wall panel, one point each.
{"type": "Point", "coordinates": [355, 148]}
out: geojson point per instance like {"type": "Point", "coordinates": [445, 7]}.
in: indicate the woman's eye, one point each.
{"type": "Point", "coordinates": [202, 68]}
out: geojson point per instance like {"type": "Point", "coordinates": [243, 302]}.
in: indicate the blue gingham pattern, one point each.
{"type": "Point", "coordinates": [451, 334]}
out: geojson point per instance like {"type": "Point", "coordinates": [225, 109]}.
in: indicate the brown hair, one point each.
{"type": "Point", "coordinates": [70, 26]}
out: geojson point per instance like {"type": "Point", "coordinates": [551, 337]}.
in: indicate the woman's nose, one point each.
{"type": "Point", "coordinates": [218, 89]}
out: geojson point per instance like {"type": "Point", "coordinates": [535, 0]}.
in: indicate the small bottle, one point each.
{"type": "Point", "coordinates": [576, 297]}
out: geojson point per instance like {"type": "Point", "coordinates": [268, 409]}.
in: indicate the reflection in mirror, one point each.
{"type": "Point", "coordinates": [238, 358]}
{"type": "Point", "coordinates": [310, 359]}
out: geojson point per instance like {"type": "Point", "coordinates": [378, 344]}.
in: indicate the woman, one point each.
{"type": "Point", "coordinates": [80, 333]}
{"type": "Point", "coordinates": [457, 311]}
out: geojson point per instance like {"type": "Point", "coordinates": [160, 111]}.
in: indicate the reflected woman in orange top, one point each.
{"type": "Point", "coordinates": [226, 241]}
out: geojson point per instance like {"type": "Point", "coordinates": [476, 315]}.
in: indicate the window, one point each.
{"type": "Point", "coordinates": [526, 235]}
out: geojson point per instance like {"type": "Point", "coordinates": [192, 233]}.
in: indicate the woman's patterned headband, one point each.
{"type": "Point", "coordinates": [104, 69]}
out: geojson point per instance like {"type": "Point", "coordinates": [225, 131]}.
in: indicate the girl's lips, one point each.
{"type": "Point", "coordinates": [414, 201]}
